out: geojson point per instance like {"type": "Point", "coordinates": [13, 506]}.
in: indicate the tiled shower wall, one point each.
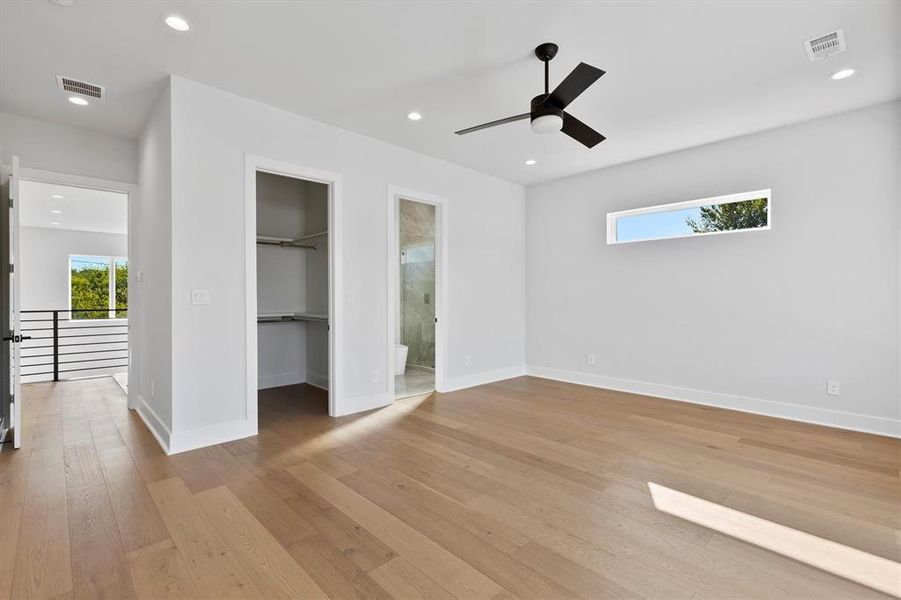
{"type": "Point", "coordinates": [417, 272]}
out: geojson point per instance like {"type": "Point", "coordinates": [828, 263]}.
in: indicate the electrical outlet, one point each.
{"type": "Point", "coordinates": [589, 359]}
{"type": "Point", "coordinates": [152, 391]}
{"type": "Point", "coordinates": [200, 296]}
{"type": "Point", "coordinates": [376, 375]}
{"type": "Point", "coordinates": [833, 387]}
{"type": "Point", "coordinates": [467, 360]}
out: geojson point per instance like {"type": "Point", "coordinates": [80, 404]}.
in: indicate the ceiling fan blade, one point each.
{"type": "Point", "coordinates": [580, 132]}
{"type": "Point", "coordinates": [575, 83]}
{"type": "Point", "coordinates": [494, 123]}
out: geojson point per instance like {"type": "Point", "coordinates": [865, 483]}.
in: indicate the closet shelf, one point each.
{"type": "Point", "coordinates": [290, 317]}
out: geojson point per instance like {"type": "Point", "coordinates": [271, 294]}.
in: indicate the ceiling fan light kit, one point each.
{"type": "Point", "coordinates": [547, 114]}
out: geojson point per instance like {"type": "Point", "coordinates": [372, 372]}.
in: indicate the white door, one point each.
{"type": "Point", "coordinates": [14, 336]}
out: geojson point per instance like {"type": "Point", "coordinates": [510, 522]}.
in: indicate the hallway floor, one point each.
{"type": "Point", "coordinates": [525, 488]}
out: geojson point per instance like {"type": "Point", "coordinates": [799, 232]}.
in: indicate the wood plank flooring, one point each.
{"type": "Point", "coordinates": [525, 488]}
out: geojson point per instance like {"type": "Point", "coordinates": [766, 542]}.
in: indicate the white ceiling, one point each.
{"type": "Point", "coordinates": [81, 209]}
{"type": "Point", "coordinates": [679, 74]}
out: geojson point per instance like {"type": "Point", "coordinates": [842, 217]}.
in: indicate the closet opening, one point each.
{"type": "Point", "coordinates": [292, 294]}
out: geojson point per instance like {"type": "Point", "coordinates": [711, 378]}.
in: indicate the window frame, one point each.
{"type": "Point", "coordinates": [111, 288]}
{"type": "Point", "coordinates": [613, 217]}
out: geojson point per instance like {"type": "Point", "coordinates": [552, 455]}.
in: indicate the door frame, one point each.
{"type": "Point", "coordinates": [394, 195]}
{"type": "Point", "coordinates": [252, 165]}
{"type": "Point", "coordinates": [134, 262]}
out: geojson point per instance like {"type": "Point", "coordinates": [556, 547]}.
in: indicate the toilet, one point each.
{"type": "Point", "coordinates": [400, 359]}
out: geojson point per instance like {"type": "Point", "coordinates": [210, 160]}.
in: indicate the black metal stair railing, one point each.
{"type": "Point", "coordinates": [55, 344]}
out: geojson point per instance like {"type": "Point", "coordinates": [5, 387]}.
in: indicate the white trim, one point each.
{"type": "Point", "coordinates": [134, 261]}
{"type": "Point", "coordinates": [201, 437]}
{"type": "Point", "coordinates": [442, 327]}
{"type": "Point", "coordinates": [463, 382]}
{"type": "Point", "coordinates": [769, 408]}
{"type": "Point", "coordinates": [613, 217]}
{"type": "Point", "coordinates": [253, 164]}
{"type": "Point", "coordinates": [153, 422]}
{"type": "Point", "coordinates": [264, 382]}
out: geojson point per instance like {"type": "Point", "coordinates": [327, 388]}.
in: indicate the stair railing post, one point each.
{"type": "Point", "coordinates": [56, 345]}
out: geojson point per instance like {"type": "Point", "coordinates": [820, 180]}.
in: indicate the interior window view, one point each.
{"type": "Point", "coordinates": [738, 212]}
{"type": "Point", "coordinates": [522, 300]}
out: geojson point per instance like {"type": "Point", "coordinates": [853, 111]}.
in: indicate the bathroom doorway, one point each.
{"type": "Point", "coordinates": [417, 267]}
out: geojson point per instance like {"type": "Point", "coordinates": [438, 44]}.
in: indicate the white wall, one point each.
{"type": "Point", "coordinates": [44, 285]}
{"type": "Point", "coordinates": [45, 262]}
{"type": "Point", "coordinates": [151, 298]}
{"type": "Point", "coordinates": [64, 149]}
{"type": "Point", "coordinates": [756, 321]}
{"type": "Point", "coordinates": [212, 132]}
{"type": "Point", "coordinates": [317, 277]}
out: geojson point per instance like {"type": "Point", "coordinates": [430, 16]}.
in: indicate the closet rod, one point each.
{"type": "Point", "coordinates": [287, 244]}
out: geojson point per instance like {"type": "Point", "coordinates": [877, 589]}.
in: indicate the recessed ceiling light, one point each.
{"type": "Point", "coordinates": [57, 212]}
{"type": "Point", "coordinates": [414, 116]}
{"type": "Point", "coordinates": [843, 74]}
{"type": "Point", "coordinates": [56, 197]}
{"type": "Point", "coordinates": [531, 161]}
{"type": "Point", "coordinates": [78, 100]}
{"type": "Point", "coordinates": [54, 223]}
{"type": "Point", "coordinates": [177, 23]}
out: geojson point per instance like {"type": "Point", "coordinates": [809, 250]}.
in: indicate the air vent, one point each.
{"type": "Point", "coordinates": [825, 45]}
{"type": "Point", "coordinates": [74, 86]}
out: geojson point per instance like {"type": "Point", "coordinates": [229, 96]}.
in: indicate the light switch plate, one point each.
{"type": "Point", "coordinates": [200, 296]}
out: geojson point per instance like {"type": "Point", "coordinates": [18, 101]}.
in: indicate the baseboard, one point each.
{"type": "Point", "coordinates": [201, 437]}
{"type": "Point", "coordinates": [154, 424]}
{"type": "Point", "coordinates": [770, 408]}
{"type": "Point", "coordinates": [452, 384]}
{"type": "Point", "coordinates": [364, 403]}
{"type": "Point", "coordinates": [264, 382]}
{"type": "Point", "coordinates": [317, 380]}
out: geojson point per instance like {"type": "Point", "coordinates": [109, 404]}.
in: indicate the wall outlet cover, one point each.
{"type": "Point", "coordinates": [833, 387]}
{"type": "Point", "coordinates": [200, 296]}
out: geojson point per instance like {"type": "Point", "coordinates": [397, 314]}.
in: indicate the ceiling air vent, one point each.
{"type": "Point", "coordinates": [74, 86]}
{"type": "Point", "coordinates": [825, 45]}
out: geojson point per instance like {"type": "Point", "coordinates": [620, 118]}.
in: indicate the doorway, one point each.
{"type": "Point", "coordinates": [416, 268]}
{"type": "Point", "coordinates": [73, 286]}
{"type": "Point", "coordinates": [61, 340]}
{"type": "Point", "coordinates": [291, 268]}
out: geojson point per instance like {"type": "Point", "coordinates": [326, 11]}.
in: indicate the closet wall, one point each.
{"type": "Point", "coordinates": [291, 280]}
{"type": "Point", "coordinates": [317, 277]}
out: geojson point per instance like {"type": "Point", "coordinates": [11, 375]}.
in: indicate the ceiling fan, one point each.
{"type": "Point", "coordinates": [547, 114]}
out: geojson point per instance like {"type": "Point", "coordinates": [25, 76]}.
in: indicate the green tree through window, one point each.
{"type": "Point", "coordinates": [91, 288]}
{"type": "Point", "coordinates": [748, 214]}
{"type": "Point", "coordinates": [121, 288]}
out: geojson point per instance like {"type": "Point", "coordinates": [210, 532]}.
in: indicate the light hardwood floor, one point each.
{"type": "Point", "coordinates": [521, 489]}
